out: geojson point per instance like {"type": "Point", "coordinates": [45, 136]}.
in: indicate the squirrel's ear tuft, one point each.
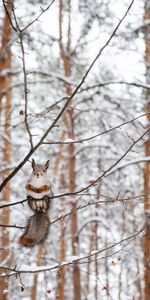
{"type": "Point", "coordinates": [47, 164]}
{"type": "Point", "coordinates": [33, 163]}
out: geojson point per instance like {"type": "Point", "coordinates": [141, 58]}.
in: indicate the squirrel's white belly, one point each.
{"type": "Point", "coordinates": [38, 182]}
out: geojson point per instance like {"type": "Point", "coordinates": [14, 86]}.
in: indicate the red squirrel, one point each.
{"type": "Point", "coordinates": [38, 194]}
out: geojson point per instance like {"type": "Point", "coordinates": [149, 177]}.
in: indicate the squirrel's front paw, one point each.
{"type": "Point", "coordinates": [29, 198]}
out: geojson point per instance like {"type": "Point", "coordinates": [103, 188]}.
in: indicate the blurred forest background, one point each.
{"type": "Point", "coordinates": [74, 88]}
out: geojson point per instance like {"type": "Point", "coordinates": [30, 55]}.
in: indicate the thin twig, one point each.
{"type": "Point", "coordinates": [36, 19]}
{"type": "Point", "coordinates": [12, 226]}
{"type": "Point", "coordinates": [25, 80]}
{"type": "Point", "coordinates": [103, 84]}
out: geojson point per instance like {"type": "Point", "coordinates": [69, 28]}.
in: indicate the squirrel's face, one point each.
{"type": "Point", "coordinates": [40, 170]}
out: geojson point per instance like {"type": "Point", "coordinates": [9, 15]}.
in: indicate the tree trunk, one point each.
{"type": "Point", "coordinates": [40, 261]}
{"type": "Point", "coordinates": [65, 53]}
{"type": "Point", "coordinates": [5, 111]}
{"type": "Point", "coordinates": [61, 272]}
{"type": "Point", "coordinates": [147, 164]}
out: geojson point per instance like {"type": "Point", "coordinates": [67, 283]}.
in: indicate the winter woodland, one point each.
{"type": "Point", "coordinates": [75, 90]}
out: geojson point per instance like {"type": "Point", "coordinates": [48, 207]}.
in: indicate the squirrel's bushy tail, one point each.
{"type": "Point", "coordinates": [36, 230]}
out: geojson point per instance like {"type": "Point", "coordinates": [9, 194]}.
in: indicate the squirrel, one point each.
{"type": "Point", "coordinates": [38, 195]}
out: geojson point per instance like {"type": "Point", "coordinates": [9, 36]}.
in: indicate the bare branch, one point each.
{"type": "Point", "coordinates": [103, 84]}
{"type": "Point", "coordinates": [90, 203]}
{"type": "Point", "coordinates": [12, 226]}
{"type": "Point", "coordinates": [98, 134]}
{"type": "Point", "coordinates": [126, 164]}
{"type": "Point", "coordinates": [37, 18]}
{"type": "Point", "coordinates": [25, 81]}
{"type": "Point", "coordinates": [38, 269]}
{"type": "Point", "coordinates": [8, 14]}
{"type": "Point", "coordinates": [112, 166]}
